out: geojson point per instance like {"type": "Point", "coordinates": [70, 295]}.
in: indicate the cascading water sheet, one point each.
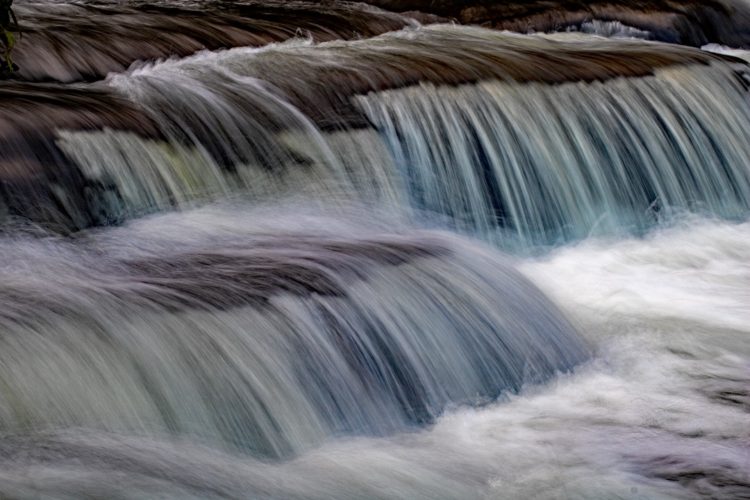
{"type": "Point", "coordinates": [276, 268]}
{"type": "Point", "coordinates": [550, 164]}
{"type": "Point", "coordinates": [265, 331]}
{"type": "Point", "coordinates": [520, 163]}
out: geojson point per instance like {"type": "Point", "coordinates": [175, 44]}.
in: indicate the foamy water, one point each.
{"type": "Point", "coordinates": [660, 411]}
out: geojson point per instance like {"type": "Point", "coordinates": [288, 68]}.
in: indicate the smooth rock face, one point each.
{"type": "Point", "coordinates": [690, 23]}
{"type": "Point", "coordinates": [63, 42]}
{"type": "Point", "coordinates": [66, 42]}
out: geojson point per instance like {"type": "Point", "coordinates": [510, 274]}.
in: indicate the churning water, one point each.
{"type": "Point", "coordinates": [263, 331]}
{"type": "Point", "coordinates": [439, 262]}
{"type": "Point", "coordinates": [659, 411]}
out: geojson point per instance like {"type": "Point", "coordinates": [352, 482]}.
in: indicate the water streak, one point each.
{"type": "Point", "coordinates": [262, 331]}
{"type": "Point", "coordinates": [558, 163]}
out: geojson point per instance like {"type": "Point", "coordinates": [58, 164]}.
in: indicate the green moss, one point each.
{"type": "Point", "coordinates": [8, 24]}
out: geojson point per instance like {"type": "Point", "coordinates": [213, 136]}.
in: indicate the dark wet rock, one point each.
{"type": "Point", "coordinates": [701, 476]}
{"type": "Point", "coordinates": [37, 180]}
{"type": "Point", "coordinates": [255, 274]}
{"type": "Point", "coordinates": [63, 41]}
{"type": "Point", "coordinates": [691, 23]}
{"type": "Point", "coordinates": [78, 41]}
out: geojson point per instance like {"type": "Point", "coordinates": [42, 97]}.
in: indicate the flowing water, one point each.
{"type": "Point", "coordinates": [438, 262]}
{"type": "Point", "coordinates": [322, 118]}
{"type": "Point", "coordinates": [659, 411]}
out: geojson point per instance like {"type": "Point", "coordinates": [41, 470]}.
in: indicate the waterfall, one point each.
{"type": "Point", "coordinates": [323, 250]}
{"type": "Point", "coordinates": [553, 163]}
{"type": "Point", "coordinates": [501, 138]}
{"type": "Point", "coordinates": [264, 331]}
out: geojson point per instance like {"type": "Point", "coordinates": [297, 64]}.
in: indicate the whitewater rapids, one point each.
{"type": "Point", "coordinates": [660, 411]}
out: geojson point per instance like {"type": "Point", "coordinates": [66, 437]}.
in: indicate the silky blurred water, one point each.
{"type": "Point", "coordinates": [443, 262]}
{"type": "Point", "coordinates": [519, 139]}
{"type": "Point", "coordinates": [659, 411]}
